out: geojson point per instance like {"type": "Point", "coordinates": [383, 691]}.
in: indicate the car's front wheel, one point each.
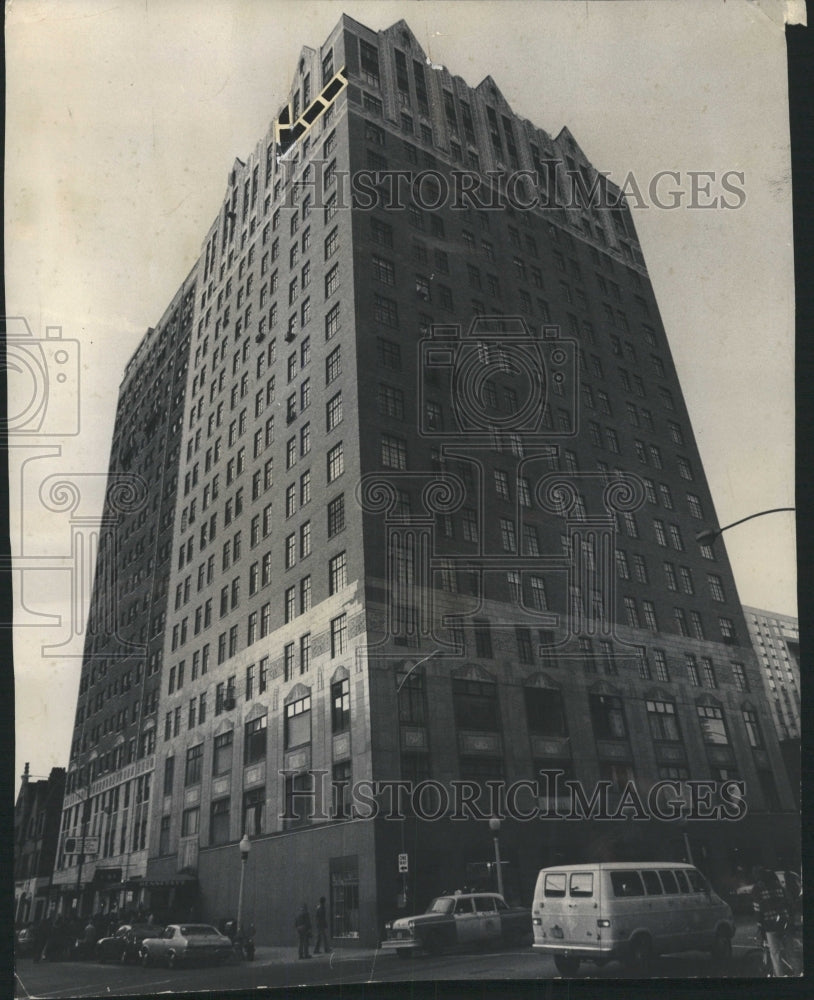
{"type": "Point", "coordinates": [145, 958]}
{"type": "Point", "coordinates": [172, 960]}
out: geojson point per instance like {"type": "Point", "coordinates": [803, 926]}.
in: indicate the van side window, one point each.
{"type": "Point", "coordinates": [626, 884]}
{"type": "Point", "coordinates": [668, 881]}
{"type": "Point", "coordinates": [582, 884]}
{"type": "Point", "coordinates": [651, 882]}
{"type": "Point", "coordinates": [555, 885]}
{"type": "Point", "coordinates": [697, 881]}
{"type": "Point", "coordinates": [681, 878]}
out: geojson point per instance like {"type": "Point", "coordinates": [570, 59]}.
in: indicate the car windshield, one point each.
{"type": "Point", "coordinates": [198, 930]}
{"type": "Point", "coordinates": [441, 905]}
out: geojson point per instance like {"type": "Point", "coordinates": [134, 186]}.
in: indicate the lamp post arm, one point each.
{"type": "Point", "coordinates": [711, 534]}
{"type": "Point", "coordinates": [760, 513]}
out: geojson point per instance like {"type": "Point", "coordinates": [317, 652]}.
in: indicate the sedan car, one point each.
{"type": "Point", "coordinates": [24, 942]}
{"type": "Point", "coordinates": [125, 944]}
{"type": "Point", "coordinates": [459, 920]}
{"type": "Point", "coordinates": [179, 943]}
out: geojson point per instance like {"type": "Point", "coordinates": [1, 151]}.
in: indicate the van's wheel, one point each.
{"type": "Point", "coordinates": [722, 949]}
{"type": "Point", "coordinates": [640, 954]}
{"type": "Point", "coordinates": [567, 965]}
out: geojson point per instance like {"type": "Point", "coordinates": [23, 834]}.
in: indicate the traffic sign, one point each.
{"type": "Point", "coordinates": [403, 864]}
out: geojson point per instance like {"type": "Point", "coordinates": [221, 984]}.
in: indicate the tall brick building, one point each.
{"type": "Point", "coordinates": [102, 852]}
{"type": "Point", "coordinates": [409, 548]}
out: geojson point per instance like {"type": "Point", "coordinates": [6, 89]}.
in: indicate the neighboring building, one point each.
{"type": "Point", "coordinates": [374, 576]}
{"type": "Point", "coordinates": [776, 639]}
{"type": "Point", "coordinates": [37, 814]}
{"type": "Point", "coordinates": [102, 856]}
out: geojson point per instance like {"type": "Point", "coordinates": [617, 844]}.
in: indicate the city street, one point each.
{"type": "Point", "coordinates": [279, 967]}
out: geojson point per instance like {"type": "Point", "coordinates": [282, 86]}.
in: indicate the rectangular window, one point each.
{"type": "Point", "coordinates": [393, 452]}
{"type": "Point", "coordinates": [713, 725]}
{"type": "Point", "coordinates": [222, 753]}
{"type": "Point", "coordinates": [337, 573]}
{"type": "Point", "coordinates": [334, 411]}
{"type": "Point", "coordinates": [298, 723]}
{"type": "Point", "coordinates": [661, 716]}
{"type": "Point", "coordinates": [340, 706]}
{"type": "Point", "coordinates": [194, 762]}
{"type": "Point", "coordinates": [336, 462]}
{"type": "Point", "coordinates": [476, 705]}
{"type": "Point", "coordinates": [545, 712]}
{"type": "Point", "coordinates": [339, 635]}
{"type": "Point", "coordinates": [254, 741]}
{"type": "Point", "coordinates": [608, 717]}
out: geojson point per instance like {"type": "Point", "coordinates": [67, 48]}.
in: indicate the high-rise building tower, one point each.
{"type": "Point", "coordinates": [102, 853]}
{"type": "Point", "coordinates": [407, 548]}
{"type": "Point", "coordinates": [776, 639]}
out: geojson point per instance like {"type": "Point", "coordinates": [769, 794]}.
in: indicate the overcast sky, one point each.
{"type": "Point", "coordinates": [123, 121]}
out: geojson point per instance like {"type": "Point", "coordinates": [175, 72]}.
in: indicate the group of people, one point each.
{"type": "Point", "coordinates": [773, 907]}
{"type": "Point", "coordinates": [303, 925]}
{"type": "Point", "coordinates": [74, 937]}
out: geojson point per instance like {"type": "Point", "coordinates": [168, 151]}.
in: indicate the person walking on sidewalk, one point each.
{"type": "Point", "coordinates": [303, 925]}
{"type": "Point", "coordinates": [321, 918]}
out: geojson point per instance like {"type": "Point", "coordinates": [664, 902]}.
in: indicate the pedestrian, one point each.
{"type": "Point", "coordinates": [303, 925]}
{"type": "Point", "coordinates": [321, 920]}
{"type": "Point", "coordinates": [773, 916]}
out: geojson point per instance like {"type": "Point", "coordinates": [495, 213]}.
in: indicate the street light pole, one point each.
{"type": "Point", "coordinates": [708, 537]}
{"type": "Point", "coordinates": [245, 847]}
{"type": "Point", "coordinates": [494, 826]}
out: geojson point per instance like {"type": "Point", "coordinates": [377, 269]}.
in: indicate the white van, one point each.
{"type": "Point", "coordinates": [627, 910]}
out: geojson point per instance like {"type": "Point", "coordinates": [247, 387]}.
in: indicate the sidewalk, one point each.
{"type": "Point", "coordinates": [273, 955]}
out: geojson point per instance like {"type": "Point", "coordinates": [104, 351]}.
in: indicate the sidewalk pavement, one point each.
{"type": "Point", "coordinates": [272, 955]}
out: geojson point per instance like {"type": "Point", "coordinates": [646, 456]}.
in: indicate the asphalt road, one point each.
{"type": "Point", "coordinates": [89, 979]}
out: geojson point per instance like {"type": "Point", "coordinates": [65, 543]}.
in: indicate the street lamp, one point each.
{"type": "Point", "coordinates": [494, 826]}
{"type": "Point", "coordinates": [245, 847]}
{"type": "Point", "coordinates": [708, 537]}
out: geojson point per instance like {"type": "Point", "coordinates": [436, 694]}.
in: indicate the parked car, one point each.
{"type": "Point", "coordinates": [24, 942]}
{"type": "Point", "coordinates": [185, 943]}
{"type": "Point", "coordinates": [627, 910]}
{"type": "Point", "coordinates": [459, 920]}
{"type": "Point", "coordinates": [125, 944]}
